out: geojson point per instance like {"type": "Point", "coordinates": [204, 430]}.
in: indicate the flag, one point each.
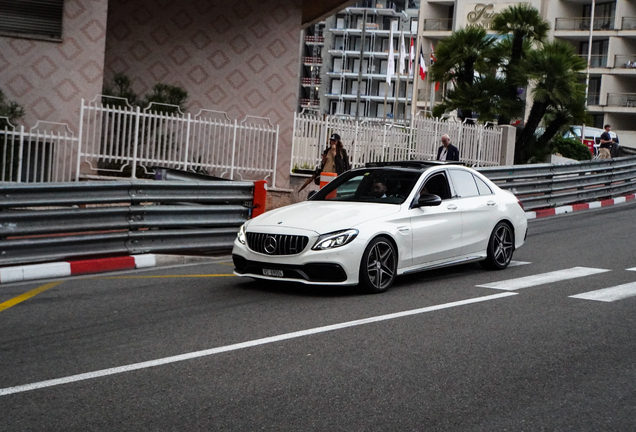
{"type": "Point", "coordinates": [433, 60]}
{"type": "Point", "coordinates": [402, 55]}
{"type": "Point", "coordinates": [422, 65]}
{"type": "Point", "coordinates": [390, 65]}
{"type": "Point", "coordinates": [411, 57]}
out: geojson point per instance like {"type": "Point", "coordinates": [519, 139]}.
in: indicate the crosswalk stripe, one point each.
{"type": "Point", "coordinates": [611, 294]}
{"type": "Point", "coordinates": [544, 278]}
{"type": "Point", "coordinates": [518, 263]}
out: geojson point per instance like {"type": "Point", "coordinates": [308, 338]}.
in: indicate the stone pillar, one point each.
{"type": "Point", "coordinates": [508, 137]}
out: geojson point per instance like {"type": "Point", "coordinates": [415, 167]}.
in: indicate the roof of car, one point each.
{"type": "Point", "coordinates": [421, 165]}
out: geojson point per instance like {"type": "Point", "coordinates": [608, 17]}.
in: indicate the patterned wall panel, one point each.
{"type": "Point", "coordinates": [240, 57]}
{"type": "Point", "coordinates": [49, 78]}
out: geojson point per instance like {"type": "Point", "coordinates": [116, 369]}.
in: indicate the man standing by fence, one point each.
{"type": "Point", "coordinates": [447, 151]}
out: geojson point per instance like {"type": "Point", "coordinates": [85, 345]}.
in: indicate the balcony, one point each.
{"type": "Point", "coordinates": [312, 61]}
{"type": "Point", "coordinates": [310, 103]}
{"type": "Point", "coordinates": [628, 23]}
{"type": "Point", "coordinates": [310, 82]}
{"type": "Point", "coordinates": [622, 100]}
{"type": "Point", "coordinates": [445, 24]}
{"type": "Point", "coordinates": [315, 40]}
{"type": "Point", "coordinates": [602, 23]}
{"type": "Point", "coordinates": [625, 61]}
{"type": "Point", "coordinates": [596, 60]}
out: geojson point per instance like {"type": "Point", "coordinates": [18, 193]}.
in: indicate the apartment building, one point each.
{"type": "Point", "coordinates": [332, 55]}
{"type": "Point", "coordinates": [610, 26]}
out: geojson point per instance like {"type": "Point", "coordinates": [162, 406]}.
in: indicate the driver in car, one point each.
{"type": "Point", "coordinates": [378, 189]}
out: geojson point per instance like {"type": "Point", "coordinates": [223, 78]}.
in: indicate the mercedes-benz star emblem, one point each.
{"type": "Point", "coordinates": [270, 244]}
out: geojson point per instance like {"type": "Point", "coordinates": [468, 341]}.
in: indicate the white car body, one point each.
{"type": "Point", "coordinates": [454, 232]}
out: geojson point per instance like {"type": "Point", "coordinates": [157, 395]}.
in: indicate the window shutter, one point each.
{"type": "Point", "coordinates": [32, 17]}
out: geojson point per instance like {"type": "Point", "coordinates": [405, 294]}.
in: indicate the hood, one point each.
{"type": "Point", "coordinates": [323, 216]}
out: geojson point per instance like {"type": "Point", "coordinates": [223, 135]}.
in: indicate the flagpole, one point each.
{"type": "Point", "coordinates": [432, 98]}
{"type": "Point", "coordinates": [390, 69]}
{"type": "Point", "coordinates": [406, 89]}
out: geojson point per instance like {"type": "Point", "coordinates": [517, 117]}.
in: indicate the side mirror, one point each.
{"type": "Point", "coordinates": [428, 200]}
{"type": "Point", "coordinates": [311, 193]}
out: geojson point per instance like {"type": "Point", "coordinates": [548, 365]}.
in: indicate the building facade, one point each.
{"type": "Point", "coordinates": [610, 26]}
{"type": "Point", "coordinates": [337, 82]}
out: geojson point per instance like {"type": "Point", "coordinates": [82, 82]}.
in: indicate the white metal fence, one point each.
{"type": "Point", "coordinates": [121, 140]}
{"type": "Point", "coordinates": [118, 140]}
{"type": "Point", "coordinates": [43, 153]}
{"type": "Point", "coordinates": [377, 141]}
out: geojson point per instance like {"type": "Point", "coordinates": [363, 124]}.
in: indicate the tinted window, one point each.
{"type": "Point", "coordinates": [484, 189]}
{"type": "Point", "coordinates": [464, 183]}
{"type": "Point", "coordinates": [388, 186]}
{"type": "Point", "coordinates": [437, 185]}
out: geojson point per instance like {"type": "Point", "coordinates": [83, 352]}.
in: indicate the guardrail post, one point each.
{"type": "Point", "coordinates": [260, 198]}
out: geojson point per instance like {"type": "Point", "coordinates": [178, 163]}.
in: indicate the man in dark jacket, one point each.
{"type": "Point", "coordinates": [447, 151]}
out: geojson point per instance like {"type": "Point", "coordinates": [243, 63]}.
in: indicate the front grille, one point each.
{"type": "Point", "coordinates": [276, 244]}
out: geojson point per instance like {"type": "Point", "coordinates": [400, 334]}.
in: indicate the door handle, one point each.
{"type": "Point", "coordinates": [451, 207]}
{"type": "Point", "coordinates": [491, 203]}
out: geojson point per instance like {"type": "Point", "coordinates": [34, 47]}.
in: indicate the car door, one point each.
{"type": "Point", "coordinates": [437, 230]}
{"type": "Point", "coordinates": [478, 208]}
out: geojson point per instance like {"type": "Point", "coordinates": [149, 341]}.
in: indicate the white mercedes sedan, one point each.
{"type": "Point", "coordinates": [372, 224]}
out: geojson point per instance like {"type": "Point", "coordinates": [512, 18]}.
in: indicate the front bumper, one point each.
{"type": "Point", "coordinates": [319, 273]}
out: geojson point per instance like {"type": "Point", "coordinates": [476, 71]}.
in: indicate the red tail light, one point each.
{"type": "Point", "coordinates": [520, 204]}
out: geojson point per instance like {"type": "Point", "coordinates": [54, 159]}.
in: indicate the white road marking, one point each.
{"type": "Point", "coordinates": [611, 294]}
{"type": "Point", "coordinates": [544, 278]}
{"type": "Point", "coordinates": [518, 263]}
{"type": "Point", "coordinates": [632, 269]}
{"type": "Point", "coordinates": [248, 344]}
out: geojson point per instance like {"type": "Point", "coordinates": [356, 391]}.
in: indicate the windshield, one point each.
{"type": "Point", "coordinates": [387, 186]}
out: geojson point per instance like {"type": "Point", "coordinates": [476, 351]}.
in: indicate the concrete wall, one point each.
{"type": "Point", "coordinates": [49, 78]}
{"type": "Point", "coordinates": [239, 57]}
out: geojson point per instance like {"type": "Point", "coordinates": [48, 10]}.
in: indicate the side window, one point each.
{"type": "Point", "coordinates": [437, 185]}
{"type": "Point", "coordinates": [464, 183]}
{"type": "Point", "coordinates": [484, 189]}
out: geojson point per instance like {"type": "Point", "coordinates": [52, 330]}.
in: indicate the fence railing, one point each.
{"type": "Point", "coordinates": [625, 100]}
{"type": "Point", "coordinates": [43, 153]}
{"type": "Point", "coordinates": [547, 185]}
{"type": "Point", "coordinates": [117, 139]}
{"type": "Point", "coordinates": [377, 141]}
{"type": "Point", "coordinates": [583, 23]}
{"type": "Point", "coordinates": [52, 221]}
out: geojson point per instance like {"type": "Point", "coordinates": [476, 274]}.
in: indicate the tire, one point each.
{"type": "Point", "coordinates": [500, 247]}
{"type": "Point", "coordinates": [378, 265]}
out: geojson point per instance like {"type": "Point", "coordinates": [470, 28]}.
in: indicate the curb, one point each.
{"type": "Point", "coordinates": [70, 268]}
{"type": "Point", "coordinates": [577, 207]}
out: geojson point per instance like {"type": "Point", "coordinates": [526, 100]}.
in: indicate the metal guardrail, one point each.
{"type": "Point", "coordinates": [548, 185]}
{"type": "Point", "coordinates": [67, 220]}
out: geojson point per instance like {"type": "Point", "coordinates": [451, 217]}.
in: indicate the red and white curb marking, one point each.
{"type": "Point", "coordinates": [68, 268]}
{"type": "Point", "coordinates": [577, 207]}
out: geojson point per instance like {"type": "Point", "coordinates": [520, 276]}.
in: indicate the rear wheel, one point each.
{"type": "Point", "coordinates": [378, 265]}
{"type": "Point", "coordinates": [500, 247]}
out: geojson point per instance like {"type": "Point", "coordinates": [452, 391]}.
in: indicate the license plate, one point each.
{"type": "Point", "coordinates": [274, 273]}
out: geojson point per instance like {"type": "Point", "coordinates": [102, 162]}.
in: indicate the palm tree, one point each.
{"type": "Point", "coordinates": [460, 56]}
{"type": "Point", "coordinates": [524, 23]}
{"type": "Point", "coordinates": [525, 26]}
{"type": "Point", "coordinates": [554, 70]}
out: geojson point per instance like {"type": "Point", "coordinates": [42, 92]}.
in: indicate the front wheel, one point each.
{"type": "Point", "coordinates": [500, 247]}
{"type": "Point", "coordinates": [378, 265]}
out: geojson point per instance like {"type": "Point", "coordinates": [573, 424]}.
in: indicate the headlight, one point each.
{"type": "Point", "coordinates": [241, 234]}
{"type": "Point", "coordinates": [335, 239]}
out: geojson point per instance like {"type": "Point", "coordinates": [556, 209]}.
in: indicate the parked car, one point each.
{"type": "Point", "coordinates": [425, 215]}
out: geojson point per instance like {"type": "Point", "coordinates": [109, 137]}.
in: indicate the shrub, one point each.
{"type": "Point", "coordinates": [12, 110]}
{"type": "Point", "coordinates": [571, 148]}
